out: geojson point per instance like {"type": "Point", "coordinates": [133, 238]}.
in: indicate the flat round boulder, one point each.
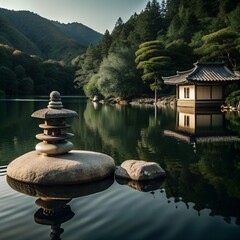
{"type": "Point", "coordinates": [139, 170]}
{"type": "Point", "coordinates": [70, 168]}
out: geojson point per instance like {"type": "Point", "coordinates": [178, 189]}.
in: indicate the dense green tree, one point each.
{"type": "Point", "coordinates": [8, 81]}
{"type": "Point", "coordinates": [185, 18]}
{"type": "Point", "coordinates": [234, 98]}
{"type": "Point", "coordinates": [234, 19]}
{"type": "Point", "coordinates": [220, 46]}
{"type": "Point", "coordinates": [184, 25]}
{"type": "Point", "coordinates": [139, 28]}
{"type": "Point", "coordinates": [89, 66]}
{"type": "Point", "coordinates": [105, 44]}
{"type": "Point", "coordinates": [178, 50]}
{"type": "Point", "coordinates": [150, 22]}
{"type": "Point", "coordinates": [174, 27]}
{"type": "Point", "coordinates": [91, 88]}
{"type": "Point", "coordinates": [117, 75]}
{"type": "Point", "coordinates": [20, 71]}
{"type": "Point", "coordinates": [172, 7]}
{"type": "Point", "coordinates": [25, 86]}
{"type": "Point", "coordinates": [5, 53]}
{"type": "Point", "coordinates": [205, 9]}
{"type": "Point", "coordinates": [153, 59]}
{"type": "Point", "coordinates": [117, 30]}
{"type": "Point", "coordinates": [226, 6]}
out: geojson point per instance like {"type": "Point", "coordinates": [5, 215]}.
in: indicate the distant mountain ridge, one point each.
{"type": "Point", "coordinates": [36, 35]}
{"type": "Point", "coordinates": [81, 33]}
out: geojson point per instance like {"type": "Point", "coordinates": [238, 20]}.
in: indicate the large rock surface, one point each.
{"type": "Point", "coordinates": [70, 168]}
{"type": "Point", "coordinates": [139, 170]}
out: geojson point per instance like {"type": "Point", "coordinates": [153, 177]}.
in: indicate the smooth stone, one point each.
{"type": "Point", "coordinates": [52, 149]}
{"type": "Point", "coordinates": [70, 168]}
{"type": "Point", "coordinates": [139, 170]}
{"type": "Point", "coordinates": [53, 138]}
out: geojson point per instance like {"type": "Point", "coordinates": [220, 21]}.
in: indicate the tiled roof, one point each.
{"type": "Point", "coordinates": [203, 72]}
{"type": "Point", "coordinates": [180, 78]}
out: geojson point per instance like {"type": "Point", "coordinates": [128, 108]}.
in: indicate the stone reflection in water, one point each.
{"type": "Point", "coordinates": [53, 201]}
{"type": "Point", "coordinates": [53, 212]}
{"type": "Point", "coordinates": [143, 186]}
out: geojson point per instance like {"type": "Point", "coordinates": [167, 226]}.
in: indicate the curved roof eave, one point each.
{"type": "Point", "coordinates": [179, 78]}
{"type": "Point", "coordinates": [203, 72]}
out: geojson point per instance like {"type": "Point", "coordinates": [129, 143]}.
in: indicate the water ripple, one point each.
{"type": "Point", "coordinates": [119, 212]}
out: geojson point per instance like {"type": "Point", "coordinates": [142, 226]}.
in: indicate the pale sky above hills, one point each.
{"type": "Point", "coordinates": [96, 14]}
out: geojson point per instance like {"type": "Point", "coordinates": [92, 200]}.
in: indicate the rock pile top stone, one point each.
{"type": "Point", "coordinates": [54, 109]}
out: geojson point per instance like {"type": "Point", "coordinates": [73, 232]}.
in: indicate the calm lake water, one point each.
{"type": "Point", "coordinates": [199, 199]}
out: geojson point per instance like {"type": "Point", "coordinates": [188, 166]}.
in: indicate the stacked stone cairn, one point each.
{"type": "Point", "coordinates": [54, 134]}
{"type": "Point", "coordinates": [54, 162]}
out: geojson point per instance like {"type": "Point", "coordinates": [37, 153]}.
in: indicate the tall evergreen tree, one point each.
{"type": "Point", "coordinates": [234, 19]}
{"type": "Point", "coordinates": [150, 22]}
{"type": "Point", "coordinates": [105, 44]}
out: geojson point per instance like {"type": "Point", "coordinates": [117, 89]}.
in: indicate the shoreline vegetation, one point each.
{"type": "Point", "coordinates": [162, 101]}
{"type": "Point", "coordinates": [165, 37]}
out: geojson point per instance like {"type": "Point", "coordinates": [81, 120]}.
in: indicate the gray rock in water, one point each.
{"type": "Point", "coordinates": [139, 170]}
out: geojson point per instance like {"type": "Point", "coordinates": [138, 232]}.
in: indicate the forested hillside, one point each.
{"type": "Point", "coordinates": [176, 34]}
{"type": "Point", "coordinates": [81, 33]}
{"type": "Point", "coordinates": [13, 37]}
{"type": "Point", "coordinates": [164, 37]}
{"type": "Point", "coordinates": [22, 74]}
{"type": "Point", "coordinates": [36, 35]}
{"type": "Point", "coordinates": [36, 53]}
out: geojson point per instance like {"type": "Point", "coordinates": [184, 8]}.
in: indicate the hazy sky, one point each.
{"type": "Point", "coordinates": [96, 14]}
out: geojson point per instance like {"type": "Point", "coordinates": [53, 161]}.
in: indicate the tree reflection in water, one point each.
{"type": "Point", "coordinates": [206, 173]}
{"type": "Point", "coordinates": [205, 178]}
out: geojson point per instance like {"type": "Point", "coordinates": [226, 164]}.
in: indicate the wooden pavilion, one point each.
{"type": "Point", "coordinates": [202, 86]}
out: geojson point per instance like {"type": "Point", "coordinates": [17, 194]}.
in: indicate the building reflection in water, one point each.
{"type": "Point", "coordinates": [200, 125]}
{"type": "Point", "coordinates": [213, 169]}
{"type": "Point", "coordinates": [53, 201]}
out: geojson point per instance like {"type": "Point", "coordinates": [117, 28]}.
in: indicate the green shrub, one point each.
{"type": "Point", "coordinates": [91, 89]}
{"type": "Point", "coordinates": [234, 98]}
